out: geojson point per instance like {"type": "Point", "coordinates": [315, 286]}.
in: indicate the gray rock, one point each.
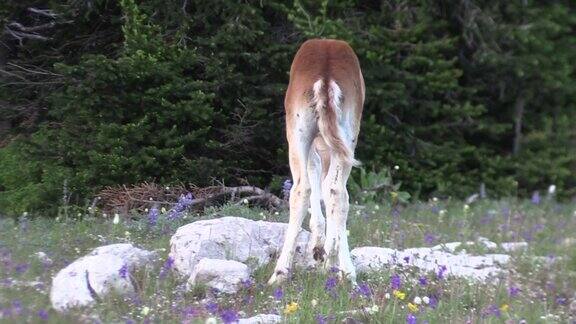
{"type": "Point", "coordinates": [464, 265]}
{"type": "Point", "coordinates": [231, 238]}
{"type": "Point", "coordinates": [261, 319]}
{"type": "Point", "coordinates": [105, 269]}
{"type": "Point", "coordinates": [224, 275]}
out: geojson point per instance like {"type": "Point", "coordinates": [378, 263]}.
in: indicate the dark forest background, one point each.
{"type": "Point", "coordinates": [97, 93]}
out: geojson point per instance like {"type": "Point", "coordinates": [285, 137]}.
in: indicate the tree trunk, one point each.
{"type": "Point", "coordinates": [518, 117]}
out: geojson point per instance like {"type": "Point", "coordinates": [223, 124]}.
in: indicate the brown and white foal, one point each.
{"type": "Point", "coordinates": [323, 110]}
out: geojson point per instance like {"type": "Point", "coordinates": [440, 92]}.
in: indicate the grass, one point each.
{"type": "Point", "coordinates": [540, 285]}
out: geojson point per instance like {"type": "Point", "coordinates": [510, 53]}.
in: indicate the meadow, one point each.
{"type": "Point", "coordinates": [539, 285]}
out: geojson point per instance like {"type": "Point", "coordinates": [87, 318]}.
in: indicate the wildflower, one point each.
{"type": "Point", "coordinates": [535, 198]}
{"type": "Point", "coordinates": [396, 167]}
{"type": "Point", "coordinates": [466, 208]}
{"type": "Point", "coordinates": [211, 320]}
{"type": "Point", "coordinates": [145, 310]}
{"type": "Point", "coordinates": [116, 219]}
{"type": "Point", "coordinates": [423, 281]}
{"type": "Point", "coordinates": [407, 259]}
{"type": "Point", "coordinates": [429, 238]}
{"type": "Point", "coordinates": [246, 283]}
{"type": "Point", "coordinates": [286, 186]}
{"type": "Point", "coordinates": [212, 307]}
{"type": "Point", "coordinates": [442, 212]}
{"type": "Point", "coordinates": [513, 291]}
{"type": "Point", "coordinates": [426, 300]}
{"type": "Point", "coordinates": [278, 293]}
{"type": "Point", "coordinates": [166, 267]}
{"type": "Point", "coordinates": [395, 282]}
{"type": "Point", "coordinates": [314, 302]}
{"type": "Point", "coordinates": [290, 308]}
{"type": "Point", "coordinates": [331, 283]}
{"type": "Point", "coordinates": [441, 271]}
{"type": "Point", "coordinates": [183, 203]}
{"type": "Point", "coordinates": [417, 300]}
{"type": "Point", "coordinates": [153, 215]}
{"type": "Point", "coordinates": [387, 296]}
{"type": "Point", "coordinates": [411, 319]}
{"type": "Point", "coordinates": [412, 307]}
{"type": "Point", "coordinates": [373, 310]}
{"type": "Point", "coordinates": [123, 272]}
{"type": "Point", "coordinates": [398, 294]}
{"type": "Point", "coordinates": [504, 307]}
{"type": "Point", "coordinates": [229, 316]}
{"type": "Point", "coordinates": [433, 302]}
{"type": "Point", "coordinates": [43, 314]}
{"type": "Point", "coordinates": [364, 290]}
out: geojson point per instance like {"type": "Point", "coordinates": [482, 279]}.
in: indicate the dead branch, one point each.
{"type": "Point", "coordinates": [139, 197]}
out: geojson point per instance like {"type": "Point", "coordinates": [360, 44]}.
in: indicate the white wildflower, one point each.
{"type": "Point", "coordinates": [387, 296]}
{"type": "Point", "coordinates": [211, 320]}
{"type": "Point", "coordinates": [417, 300]}
{"type": "Point", "coordinates": [314, 302]}
{"type": "Point", "coordinates": [396, 167]}
{"type": "Point", "coordinates": [245, 201]}
{"type": "Point", "coordinates": [442, 212]}
{"type": "Point", "coordinates": [426, 300]}
{"type": "Point", "coordinates": [145, 310]}
{"type": "Point", "coordinates": [116, 219]}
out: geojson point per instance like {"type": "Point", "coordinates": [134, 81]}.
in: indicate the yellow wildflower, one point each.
{"type": "Point", "coordinates": [504, 307]}
{"type": "Point", "coordinates": [292, 307]}
{"type": "Point", "coordinates": [398, 294]}
{"type": "Point", "coordinates": [413, 308]}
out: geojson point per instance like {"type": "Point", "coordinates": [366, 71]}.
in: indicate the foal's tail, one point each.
{"type": "Point", "coordinates": [328, 103]}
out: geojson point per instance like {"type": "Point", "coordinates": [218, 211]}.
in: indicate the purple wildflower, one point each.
{"type": "Point", "coordinates": [166, 267]}
{"type": "Point", "coordinates": [492, 310]}
{"type": "Point", "coordinates": [183, 203]}
{"type": "Point", "coordinates": [246, 283]}
{"type": "Point", "coordinates": [229, 316]}
{"type": "Point", "coordinates": [411, 319]}
{"type": "Point", "coordinates": [331, 283]}
{"type": "Point", "coordinates": [513, 291]}
{"type": "Point", "coordinates": [441, 271]}
{"type": "Point", "coordinates": [43, 314]}
{"type": "Point", "coordinates": [433, 302]}
{"type": "Point", "coordinates": [561, 300]}
{"type": "Point", "coordinates": [535, 198]}
{"type": "Point", "coordinates": [212, 307]}
{"type": "Point", "coordinates": [21, 268]}
{"type": "Point", "coordinates": [278, 293]}
{"type": "Point", "coordinates": [286, 186]}
{"type": "Point", "coordinates": [429, 238]}
{"type": "Point", "coordinates": [364, 290]}
{"type": "Point", "coordinates": [334, 270]}
{"type": "Point", "coordinates": [407, 259]}
{"type": "Point", "coordinates": [190, 312]}
{"type": "Point", "coordinates": [123, 272]}
{"type": "Point", "coordinates": [395, 282]}
{"type": "Point", "coordinates": [321, 319]}
{"type": "Point", "coordinates": [423, 281]}
{"type": "Point", "coordinates": [153, 215]}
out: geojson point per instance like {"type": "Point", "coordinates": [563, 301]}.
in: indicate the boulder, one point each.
{"type": "Point", "coordinates": [231, 238]}
{"type": "Point", "coordinates": [262, 319]}
{"type": "Point", "coordinates": [464, 265]}
{"type": "Point", "coordinates": [223, 275]}
{"type": "Point", "coordinates": [105, 269]}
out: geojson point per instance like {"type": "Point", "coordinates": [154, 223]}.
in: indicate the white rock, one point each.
{"type": "Point", "coordinates": [97, 274]}
{"type": "Point", "coordinates": [261, 319]}
{"type": "Point", "coordinates": [224, 275]}
{"type": "Point", "coordinates": [514, 246]}
{"type": "Point", "coordinates": [231, 238]}
{"type": "Point", "coordinates": [463, 265]}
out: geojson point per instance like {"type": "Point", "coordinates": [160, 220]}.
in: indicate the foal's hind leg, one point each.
{"type": "Point", "coordinates": [301, 130]}
{"type": "Point", "coordinates": [317, 222]}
